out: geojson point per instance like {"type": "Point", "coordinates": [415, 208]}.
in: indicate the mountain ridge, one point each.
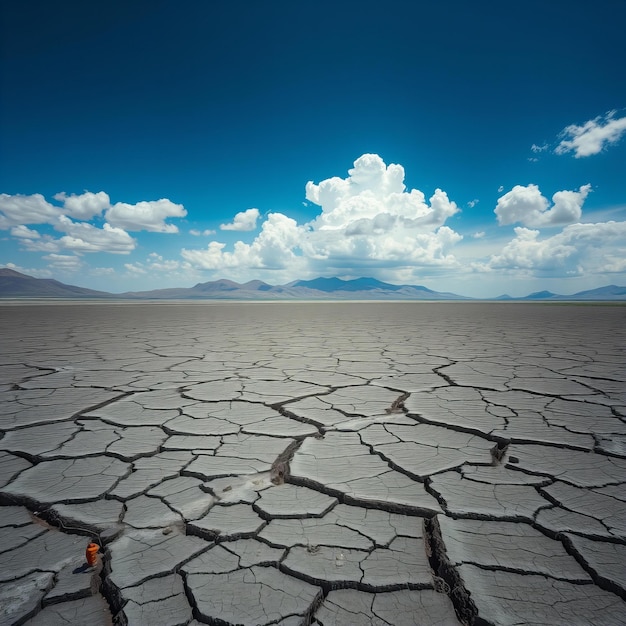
{"type": "Point", "coordinates": [16, 285]}
{"type": "Point", "coordinates": [317, 288]}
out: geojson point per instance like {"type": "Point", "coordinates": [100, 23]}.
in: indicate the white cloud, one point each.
{"type": "Point", "coordinates": [159, 264]}
{"type": "Point", "coordinates": [397, 247]}
{"type": "Point", "coordinates": [472, 203]}
{"type": "Point", "coordinates": [244, 221]}
{"type": "Point", "coordinates": [573, 251]}
{"type": "Point", "coordinates": [145, 215]}
{"type": "Point", "coordinates": [526, 251]}
{"type": "Point", "coordinates": [102, 271]}
{"type": "Point", "coordinates": [526, 205]}
{"type": "Point", "coordinates": [20, 209]}
{"type": "Point", "coordinates": [535, 148]}
{"type": "Point", "coordinates": [210, 259]}
{"type": "Point", "coordinates": [367, 220]}
{"type": "Point", "coordinates": [373, 189]}
{"type": "Point", "coordinates": [79, 235]}
{"type": "Point", "coordinates": [64, 262]}
{"type": "Point", "coordinates": [45, 243]}
{"type": "Point", "coordinates": [23, 232]}
{"type": "Point", "coordinates": [85, 206]}
{"type": "Point", "coordinates": [273, 248]}
{"type": "Point", "coordinates": [136, 269]}
{"type": "Point", "coordinates": [83, 237]}
{"type": "Point", "coordinates": [160, 269]}
{"type": "Point", "coordinates": [593, 136]}
{"type": "Point", "coordinates": [201, 233]}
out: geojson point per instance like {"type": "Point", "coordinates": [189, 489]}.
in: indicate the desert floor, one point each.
{"type": "Point", "coordinates": [324, 463]}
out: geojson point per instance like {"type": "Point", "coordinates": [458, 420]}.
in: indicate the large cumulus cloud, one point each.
{"type": "Point", "coordinates": [367, 219]}
{"type": "Point", "coordinates": [374, 192]}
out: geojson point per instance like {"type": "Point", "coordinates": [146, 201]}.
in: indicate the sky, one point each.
{"type": "Point", "coordinates": [472, 147]}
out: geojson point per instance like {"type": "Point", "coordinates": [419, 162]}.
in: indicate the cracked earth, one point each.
{"type": "Point", "coordinates": [379, 463]}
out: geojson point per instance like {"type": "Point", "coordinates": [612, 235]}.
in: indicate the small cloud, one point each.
{"type": "Point", "coordinates": [472, 203]}
{"type": "Point", "coordinates": [479, 235]}
{"type": "Point", "coordinates": [145, 215]}
{"type": "Point", "coordinates": [201, 233]}
{"type": "Point", "coordinates": [46, 243]}
{"type": "Point", "coordinates": [83, 237]}
{"type": "Point", "coordinates": [244, 221]}
{"type": "Point", "coordinates": [527, 206]}
{"type": "Point", "coordinates": [102, 271]}
{"type": "Point", "coordinates": [135, 269]}
{"type": "Point", "coordinates": [500, 188]}
{"type": "Point", "coordinates": [23, 232]}
{"type": "Point", "coordinates": [533, 159]}
{"type": "Point", "coordinates": [592, 136]}
{"type": "Point", "coordinates": [64, 262]}
{"type": "Point", "coordinates": [535, 148]}
{"type": "Point", "coordinates": [85, 206]}
{"type": "Point", "coordinates": [156, 263]}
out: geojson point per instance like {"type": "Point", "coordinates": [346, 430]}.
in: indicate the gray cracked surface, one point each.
{"type": "Point", "coordinates": [387, 463]}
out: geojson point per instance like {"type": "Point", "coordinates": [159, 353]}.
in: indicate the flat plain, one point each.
{"type": "Point", "coordinates": [313, 463]}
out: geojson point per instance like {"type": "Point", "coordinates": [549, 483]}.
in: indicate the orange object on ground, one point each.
{"type": "Point", "coordinates": [91, 554]}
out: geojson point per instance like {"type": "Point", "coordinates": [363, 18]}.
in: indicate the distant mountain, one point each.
{"type": "Point", "coordinates": [337, 284]}
{"type": "Point", "coordinates": [366, 289]}
{"type": "Point", "coordinates": [316, 289]}
{"type": "Point", "coordinates": [16, 285]}
{"type": "Point", "coordinates": [257, 285]}
{"type": "Point", "coordinates": [610, 292]}
{"type": "Point", "coordinates": [370, 288]}
{"type": "Point", "coordinates": [212, 290]}
{"type": "Point", "coordinates": [540, 295]}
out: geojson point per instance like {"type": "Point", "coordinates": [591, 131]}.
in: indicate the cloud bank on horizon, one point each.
{"type": "Point", "coordinates": [367, 224]}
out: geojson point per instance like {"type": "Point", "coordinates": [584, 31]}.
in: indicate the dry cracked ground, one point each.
{"type": "Point", "coordinates": [346, 463]}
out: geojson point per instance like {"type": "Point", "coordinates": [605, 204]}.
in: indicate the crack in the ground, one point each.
{"type": "Point", "coordinates": [464, 606]}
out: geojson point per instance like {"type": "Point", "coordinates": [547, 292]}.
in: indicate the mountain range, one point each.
{"type": "Point", "coordinates": [16, 285]}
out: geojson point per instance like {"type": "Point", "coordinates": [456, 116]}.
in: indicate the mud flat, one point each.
{"type": "Point", "coordinates": [344, 463]}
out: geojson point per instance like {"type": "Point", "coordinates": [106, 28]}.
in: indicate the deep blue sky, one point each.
{"type": "Point", "coordinates": [223, 107]}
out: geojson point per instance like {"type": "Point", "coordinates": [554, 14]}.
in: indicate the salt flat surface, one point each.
{"type": "Point", "coordinates": [313, 463]}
